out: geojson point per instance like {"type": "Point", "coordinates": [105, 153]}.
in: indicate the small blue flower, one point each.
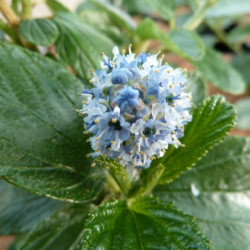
{"type": "Point", "coordinates": [136, 108]}
{"type": "Point", "coordinates": [121, 76]}
{"type": "Point", "coordinates": [127, 98]}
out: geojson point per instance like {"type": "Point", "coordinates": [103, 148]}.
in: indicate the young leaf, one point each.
{"type": "Point", "coordinates": [121, 18]}
{"type": "Point", "coordinates": [42, 146]}
{"type": "Point", "coordinates": [220, 73]}
{"type": "Point", "coordinates": [62, 230]}
{"type": "Point", "coordinates": [182, 42]}
{"type": "Point", "coordinates": [117, 171]}
{"type": "Point", "coordinates": [39, 31]}
{"type": "Point", "coordinates": [197, 87]}
{"type": "Point", "coordinates": [243, 114]}
{"type": "Point", "coordinates": [20, 210]}
{"type": "Point", "coordinates": [212, 119]}
{"type": "Point", "coordinates": [80, 44]}
{"type": "Point", "coordinates": [228, 8]}
{"type": "Point", "coordinates": [217, 193]}
{"type": "Point", "coordinates": [148, 223]}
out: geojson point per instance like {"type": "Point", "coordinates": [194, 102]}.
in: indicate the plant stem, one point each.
{"type": "Point", "coordinates": [9, 31]}
{"type": "Point", "coordinates": [9, 14]}
{"type": "Point", "coordinates": [26, 9]}
{"type": "Point", "coordinates": [197, 18]}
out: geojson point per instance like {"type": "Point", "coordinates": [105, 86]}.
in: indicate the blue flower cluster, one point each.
{"type": "Point", "coordinates": [136, 108]}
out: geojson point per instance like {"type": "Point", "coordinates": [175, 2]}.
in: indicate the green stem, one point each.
{"type": "Point", "coordinates": [26, 9]}
{"type": "Point", "coordinates": [9, 31]}
{"type": "Point", "coordinates": [9, 14]}
{"type": "Point", "coordinates": [148, 180]}
{"type": "Point", "coordinates": [222, 37]}
{"type": "Point", "coordinates": [197, 18]}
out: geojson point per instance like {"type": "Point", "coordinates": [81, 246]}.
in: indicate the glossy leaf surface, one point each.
{"type": "Point", "coordinates": [20, 210]}
{"type": "Point", "coordinates": [42, 146]}
{"type": "Point", "coordinates": [217, 193]}
{"type": "Point", "coordinates": [62, 230]}
{"type": "Point", "coordinates": [148, 223]}
{"type": "Point", "coordinates": [212, 119]}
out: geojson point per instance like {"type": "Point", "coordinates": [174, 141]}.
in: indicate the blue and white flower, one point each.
{"type": "Point", "coordinates": [136, 108]}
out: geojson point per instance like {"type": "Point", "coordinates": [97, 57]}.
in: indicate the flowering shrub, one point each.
{"type": "Point", "coordinates": [146, 162]}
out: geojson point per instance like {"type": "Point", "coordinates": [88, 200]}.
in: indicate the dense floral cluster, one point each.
{"type": "Point", "coordinates": [136, 108]}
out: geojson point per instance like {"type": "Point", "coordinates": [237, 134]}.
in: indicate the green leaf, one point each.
{"type": "Point", "coordinates": [228, 8]}
{"type": "Point", "coordinates": [39, 31]}
{"type": "Point", "coordinates": [239, 34]}
{"type": "Point", "coordinates": [62, 230]}
{"type": "Point", "coordinates": [80, 44]}
{"type": "Point", "coordinates": [165, 8]}
{"type": "Point", "coordinates": [56, 6]}
{"type": "Point", "coordinates": [119, 17]}
{"type": "Point", "coordinates": [117, 171]}
{"type": "Point", "coordinates": [136, 7]}
{"type": "Point", "coordinates": [197, 87]}
{"type": "Point", "coordinates": [42, 148]}
{"type": "Point", "coordinates": [220, 73]}
{"type": "Point", "coordinates": [184, 43]}
{"type": "Point", "coordinates": [241, 63]}
{"type": "Point", "coordinates": [20, 211]}
{"type": "Point", "coordinates": [243, 114]}
{"type": "Point", "coordinates": [148, 223]}
{"type": "Point", "coordinates": [212, 119]}
{"type": "Point", "coordinates": [217, 193]}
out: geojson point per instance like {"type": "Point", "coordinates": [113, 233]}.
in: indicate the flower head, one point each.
{"type": "Point", "coordinates": [136, 108]}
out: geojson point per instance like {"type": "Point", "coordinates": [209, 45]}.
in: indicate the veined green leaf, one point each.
{"type": "Point", "coordinates": [80, 44]}
{"type": "Point", "coordinates": [212, 119]}
{"type": "Point", "coordinates": [182, 42]}
{"type": "Point", "coordinates": [220, 73]}
{"type": "Point", "coordinates": [20, 210]}
{"type": "Point", "coordinates": [39, 31]}
{"type": "Point", "coordinates": [62, 230]}
{"type": "Point", "coordinates": [121, 18]}
{"type": "Point", "coordinates": [148, 223]}
{"type": "Point", "coordinates": [42, 148]}
{"type": "Point", "coordinates": [217, 193]}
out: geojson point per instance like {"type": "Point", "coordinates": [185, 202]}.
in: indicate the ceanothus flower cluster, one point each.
{"type": "Point", "coordinates": [136, 108]}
